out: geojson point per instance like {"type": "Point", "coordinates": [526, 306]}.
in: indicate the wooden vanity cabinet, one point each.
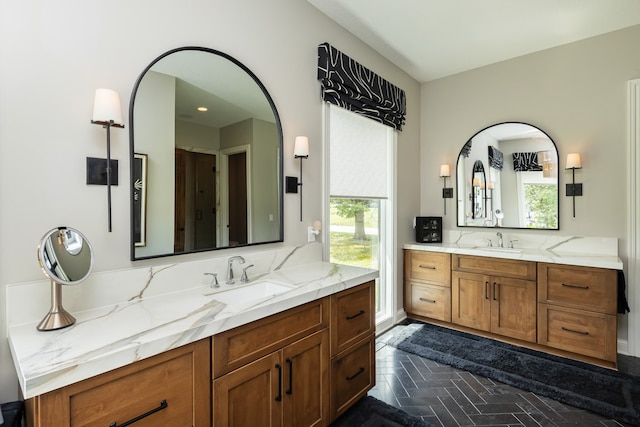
{"type": "Point", "coordinates": [495, 295]}
{"type": "Point", "coordinates": [427, 284]}
{"type": "Point", "coordinates": [352, 346]}
{"type": "Point", "coordinates": [169, 389]}
{"type": "Point", "coordinates": [577, 310]}
{"type": "Point", "coordinates": [301, 367]}
{"type": "Point", "coordinates": [274, 371]}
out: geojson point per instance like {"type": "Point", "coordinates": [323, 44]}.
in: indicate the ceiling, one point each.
{"type": "Point", "coordinates": [430, 39]}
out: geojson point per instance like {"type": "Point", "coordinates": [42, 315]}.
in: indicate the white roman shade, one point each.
{"type": "Point", "coordinates": [358, 156]}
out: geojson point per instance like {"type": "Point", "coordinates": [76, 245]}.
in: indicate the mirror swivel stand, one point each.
{"type": "Point", "coordinates": [58, 317]}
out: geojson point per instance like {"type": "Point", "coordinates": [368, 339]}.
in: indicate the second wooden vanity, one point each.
{"type": "Point", "coordinates": [302, 367]}
{"type": "Point", "coordinates": [563, 309]}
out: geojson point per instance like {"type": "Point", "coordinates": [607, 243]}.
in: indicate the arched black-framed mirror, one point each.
{"type": "Point", "coordinates": [521, 178]}
{"type": "Point", "coordinates": [206, 156]}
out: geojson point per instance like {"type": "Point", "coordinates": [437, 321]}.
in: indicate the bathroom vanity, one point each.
{"type": "Point", "coordinates": [295, 347]}
{"type": "Point", "coordinates": [557, 295]}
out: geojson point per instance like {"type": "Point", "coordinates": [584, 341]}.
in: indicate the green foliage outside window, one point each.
{"type": "Point", "coordinates": [541, 205]}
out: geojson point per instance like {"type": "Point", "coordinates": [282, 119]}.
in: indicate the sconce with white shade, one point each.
{"type": "Point", "coordinates": [300, 151]}
{"type": "Point", "coordinates": [107, 113]}
{"type": "Point", "coordinates": [447, 193]}
{"type": "Point", "coordinates": [573, 162]}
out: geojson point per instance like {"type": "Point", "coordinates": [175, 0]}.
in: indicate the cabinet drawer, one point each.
{"type": "Point", "coordinates": [583, 332]}
{"type": "Point", "coordinates": [244, 344]}
{"type": "Point", "coordinates": [352, 316]}
{"type": "Point", "coordinates": [434, 267]}
{"type": "Point", "coordinates": [353, 374]}
{"type": "Point", "coordinates": [179, 378]}
{"type": "Point", "coordinates": [588, 288]}
{"type": "Point", "coordinates": [495, 266]}
{"type": "Point", "coordinates": [429, 301]}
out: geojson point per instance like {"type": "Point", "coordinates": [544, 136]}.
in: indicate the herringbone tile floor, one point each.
{"type": "Point", "coordinates": [449, 397]}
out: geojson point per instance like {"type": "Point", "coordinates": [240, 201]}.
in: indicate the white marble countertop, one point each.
{"type": "Point", "coordinates": [113, 336]}
{"type": "Point", "coordinates": [549, 255]}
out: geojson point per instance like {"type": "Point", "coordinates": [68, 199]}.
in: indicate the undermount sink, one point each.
{"type": "Point", "coordinates": [250, 292]}
{"type": "Point", "coordinates": [498, 249]}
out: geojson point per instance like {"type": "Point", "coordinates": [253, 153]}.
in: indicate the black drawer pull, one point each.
{"type": "Point", "coordinates": [575, 286]}
{"type": "Point", "coordinates": [495, 293]}
{"type": "Point", "coordinates": [574, 331]}
{"type": "Point", "coordinates": [361, 370]}
{"type": "Point", "coordinates": [279, 396]}
{"type": "Point", "coordinates": [290, 363]}
{"type": "Point", "coordinates": [432, 301]}
{"type": "Point", "coordinates": [360, 313]}
{"type": "Point", "coordinates": [427, 267]}
{"type": "Point", "coordinates": [163, 404]}
{"type": "Point", "coordinates": [486, 290]}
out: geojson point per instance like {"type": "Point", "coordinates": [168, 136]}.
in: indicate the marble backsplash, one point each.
{"type": "Point", "coordinates": [30, 301]}
{"type": "Point", "coordinates": [603, 246]}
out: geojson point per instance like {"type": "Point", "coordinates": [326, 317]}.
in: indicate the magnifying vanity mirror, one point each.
{"type": "Point", "coordinates": [66, 257]}
{"type": "Point", "coordinates": [507, 176]}
{"type": "Point", "coordinates": [206, 156]}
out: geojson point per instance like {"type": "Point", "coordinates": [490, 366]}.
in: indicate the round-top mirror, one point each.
{"type": "Point", "coordinates": [66, 257]}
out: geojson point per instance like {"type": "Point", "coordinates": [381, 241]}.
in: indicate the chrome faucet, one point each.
{"type": "Point", "coordinates": [499, 234]}
{"type": "Point", "coordinates": [230, 280]}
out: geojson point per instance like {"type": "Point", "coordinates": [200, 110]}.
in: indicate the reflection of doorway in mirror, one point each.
{"type": "Point", "coordinates": [204, 224]}
{"type": "Point", "coordinates": [236, 196]}
{"type": "Point", "coordinates": [237, 199]}
{"type": "Point", "coordinates": [195, 203]}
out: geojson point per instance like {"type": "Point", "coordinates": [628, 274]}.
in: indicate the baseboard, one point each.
{"type": "Point", "coordinates": [623, 347]}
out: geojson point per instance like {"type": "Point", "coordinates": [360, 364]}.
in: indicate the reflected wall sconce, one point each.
{"type": "Point", "coordinates": [108, 114]}
{"type": "Point", "coordinates": [447, 193]}
{"type": "Point", "coordinates": [300, 151]}
{"type": "Point", "coordinates": [574, 162]}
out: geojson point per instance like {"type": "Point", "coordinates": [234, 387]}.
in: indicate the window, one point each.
{"type": "Point", "coordinates": [537, 200]}
{"type": "Point", "coordinates": [360, 198]}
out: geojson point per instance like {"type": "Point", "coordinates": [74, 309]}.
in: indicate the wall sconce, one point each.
{"type": "Point", "coordinates": [314, 230]}
{"type": "Point", "coordinates": [574, 162]}
{"type": "Point", "coordinates": [447, 193]}
{"type": "Point", "coordinates": [107, 112]}
{"type": "Point", "coordinates": [300, 151]}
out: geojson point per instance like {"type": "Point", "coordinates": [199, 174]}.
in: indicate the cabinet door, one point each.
{"type": "Point", "coordinates": [470, 300]}
{"type": "Point", "coordinates": [170, 389]}
{"type": "Point", "coordinates": [306, 381]}
{"type": "Point", "coordinates": [513, 308]}
{"type": "Point", "coordinates": [251, 395]}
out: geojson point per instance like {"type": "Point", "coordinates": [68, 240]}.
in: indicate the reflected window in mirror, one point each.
{"type": "Point", "coordinates": [211, 140]}
{"type": "Point", "coordinates": [518, 187]}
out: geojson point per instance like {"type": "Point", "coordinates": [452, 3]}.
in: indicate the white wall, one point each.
{"type": "Point", "coordinates": [577, 94]}
{"type": "Point", "coordinates": [54, 56]}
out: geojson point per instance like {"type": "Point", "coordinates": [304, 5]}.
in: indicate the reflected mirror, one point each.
{"type": "Point", "coordinates": [206, 165]}
{"type": "Point", "coordinates": [66, 257]}
{"type": "Point", "coordinates": [507, 176]}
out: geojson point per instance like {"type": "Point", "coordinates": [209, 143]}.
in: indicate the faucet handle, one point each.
{"type": "Point", "coordinates": [511, 243]}
{"type": "Point", "coordinates": [245, 278]}
{"type": "Point", "coordinates": [214, 283]}
{"type": "Point", "coordinates": [489, 243]}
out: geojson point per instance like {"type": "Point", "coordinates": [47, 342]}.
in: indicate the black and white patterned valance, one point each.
{"type": "Point", "coordinates": [496, 159]}
{"type": "Point", "coordinates": [348, 84]}
{"type": "Point", "coordinates": [525, 162]}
